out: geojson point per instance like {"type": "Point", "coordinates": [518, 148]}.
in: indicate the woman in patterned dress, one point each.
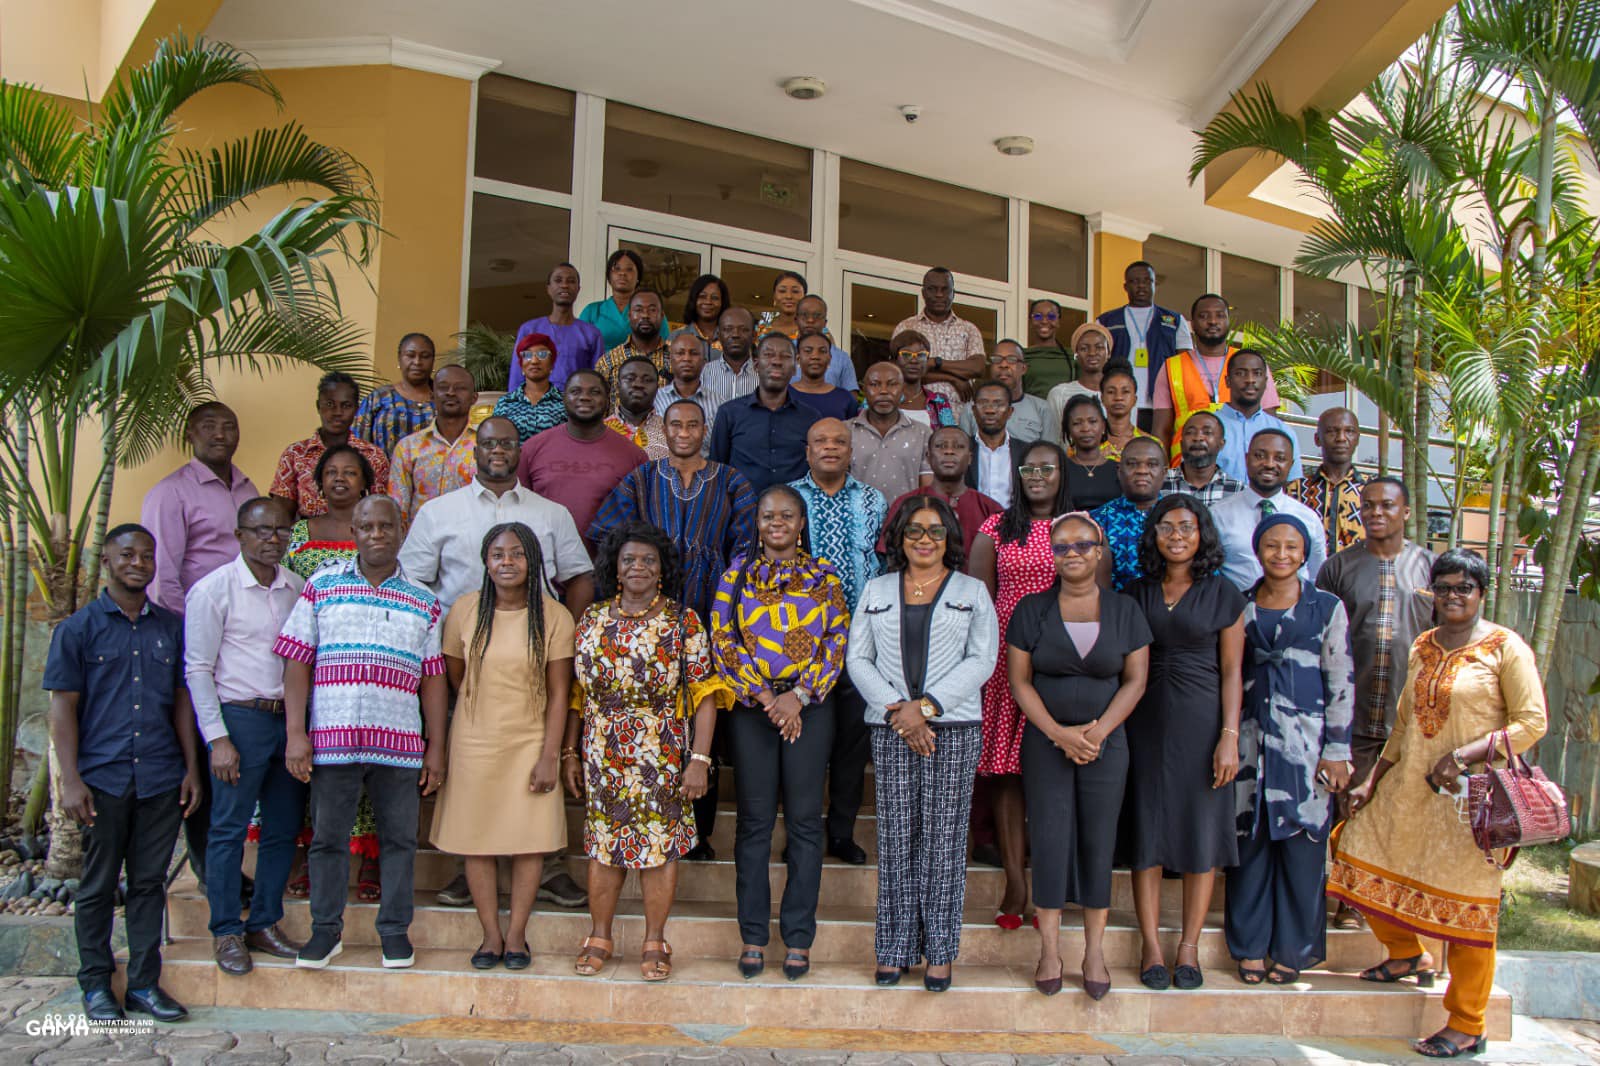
{"type": "Point", "coordinates": [1011, 555]}
{"type": "Point", "coordinates": [638, 736]}
{"type": "Point", "coordinates": [344, 476]}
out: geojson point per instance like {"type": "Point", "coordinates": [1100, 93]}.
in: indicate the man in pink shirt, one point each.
{"type": "Point", "coordinates": [579, 462]}
{"type": "Point", "coordinates": [191, 512]}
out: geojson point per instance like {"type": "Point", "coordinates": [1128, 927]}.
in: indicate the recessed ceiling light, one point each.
{"type": "Point", "coordinates": [804, 87]}
{"type": "Point", "coordinates": [1014, 145]}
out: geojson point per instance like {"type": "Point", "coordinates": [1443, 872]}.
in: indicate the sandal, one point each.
{"type": "Point", "coordinates": [1438, 1046]}
{"type": "Point", "coordinates": [1381, 973]}
{"type": "Point", "coordinates": [1249, 975]}
{"type": "Point", "coordinates": [655, 962]}
{"type": "Point", "coordinates": [1346, 919]}
{"type": "Point", "coordinates": [751, 963]}
{"type": "Point", "coordinates": [300, 887]}
{"type": "Point", "coordinates": [1282, 975]}
{"type": "Point", "coordinates": [593, 954]}
{"type": "Point", "coordinates": [369, 889]}
{"type": "Point", "coordinates": [796, 963]}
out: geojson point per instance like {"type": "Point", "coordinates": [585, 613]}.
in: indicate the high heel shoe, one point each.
{"type": "Point", "coordinates": [1009, 922]}
{"type": "Point", "coordinates": [1381, 973]}
{"type": "Point", "coordinates": [796, 964]}
{"type": "Point", "coordinates": [1096, 989]}
{"type": "Point", "coordinates": [935, 984]}
{"type": "Point", "coordinates": [1051, 985]}
{"type": "Point", "coordinates": [887, 976]}
{"type": "Point", "coordinates": [751, 963]}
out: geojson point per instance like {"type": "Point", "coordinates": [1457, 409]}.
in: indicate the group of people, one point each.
{"type": "Point", "coordinates": [1081, 612]}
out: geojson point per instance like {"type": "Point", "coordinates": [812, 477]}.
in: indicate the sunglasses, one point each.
{"type": "Point", "coordinates": [1074, 547]}
{"type": "Point", "coordinates": [918, 532]}
{"type": "Point", "coordinates": [1458, 590]}
{"type": "Point", "coordinates": [1042, 470]}
{"type": "Point", "coordinates": [907, 353]}
{"type": "Point", "coordinates": [1046, 316]}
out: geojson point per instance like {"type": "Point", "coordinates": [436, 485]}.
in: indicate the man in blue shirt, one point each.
{"type": "Point", "coordinates": [763, 435]}
{"type": "Point", "coordinates": [1242, 417]}
{"type": "Point", "coordinates": [1123, 519]}
{"type": "Point", "coordinates": [811, 315]}
{"type": "Point", "coordinates": [124, 738]}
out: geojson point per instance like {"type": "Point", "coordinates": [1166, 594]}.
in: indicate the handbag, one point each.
{"type": "Point", "coordinates": [1514, 807]}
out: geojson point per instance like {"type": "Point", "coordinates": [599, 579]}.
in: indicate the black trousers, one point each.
{"type": "Point", "coordinates": [1275, 905]}
{"type": "Point", "coordinates": [847, 767]}
{"type": "Point", "coordinates": [770, 769]}
{"type": "Point", "coordinates": [139, 834]}
{"type": "Point", "coordinates": [395, 797]}
{"type": "Point", "coordinates": [705, 808]}
{"type": "Point", "coordinates": [1072, 819]}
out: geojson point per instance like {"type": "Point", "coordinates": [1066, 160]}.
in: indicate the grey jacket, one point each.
{"type": "Point", "coordinates": [963, 647]}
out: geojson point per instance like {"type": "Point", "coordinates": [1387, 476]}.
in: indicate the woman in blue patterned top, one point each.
{"type": "Point", "coordinates": [391, 413]}
{"type": "Point", "coordinates": [537, 405]}
{"type": "Point", "coordinates": [1294, 754]}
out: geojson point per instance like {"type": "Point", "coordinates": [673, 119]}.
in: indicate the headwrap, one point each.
{"type": "Point", "coordinates": [1280, 518]}
{"type": "Point", "coordinates": [1091, 326]}
{"type": "Point", "coordinates": [1082, 516]}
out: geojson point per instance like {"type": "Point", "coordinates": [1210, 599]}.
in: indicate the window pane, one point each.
{"type": "Point", "coordinates": [915, 220]}
{"type": "Point", "coordinates": [514, 245]}
{"type": "Point", "coordinates": [1058, 251]}
{"type": "Point", "coordinates": [524, 133]}
{"type": "Point", "coordinates": [750, 284]}
{"type": "Point", "coordinates": [1367, 310]}
{"type": "Point", "coordinates": [1252, 291]}
{"type": "Point", "coordinates": [874, 312]}
{"type": "Point", "coordinates": [678, 167]}
{"type": "Point", "coordinates": [987, 319]}
{"type": "Point", "coordinates": [669, 271]}
{"type": "Point", "coordinates": [1318, 305]}
{"type": "Point", "coordinates": [1180, 273]}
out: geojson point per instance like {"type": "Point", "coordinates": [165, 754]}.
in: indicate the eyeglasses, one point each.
{"type": "Point", "coordinates": [1457, 589]}
{"type": "Point", "coordinates": [1046, 316]}
{"type": "Point", "coordinates": [540, 353]}
{"type": "Point", "coordinates": [1074, 547]}
{"type": "Point", "coordinates": [918, 532]}
{"type": "Point", "coordinates": [503, 444]}
{"type": "Point", "coordinates": [907, 353]}
{"type": "Point", "coordinates": [1004, 360]}
{"type": "Point", "coordinates": [1042, 470]}
{"type": "Point", "coordinates": [1181, 529]}
{"type": "Point", "coordinates": [268, 532]}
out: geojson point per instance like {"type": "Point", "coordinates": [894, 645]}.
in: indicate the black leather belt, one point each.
{"type": "Point", "coordinates": [270, 706]}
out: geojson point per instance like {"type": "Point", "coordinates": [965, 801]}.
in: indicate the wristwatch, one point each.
{"type": "Point", "coordinates": [928, 708]}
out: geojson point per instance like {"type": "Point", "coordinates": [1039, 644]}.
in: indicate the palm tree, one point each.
{"type": "Point", "coordinates": [117, 302]}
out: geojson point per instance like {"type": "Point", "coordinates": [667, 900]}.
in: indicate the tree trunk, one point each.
{"type": "Point", "coordinates": [16, 624]}
{"type": "Point", "coordinates": [1493, 601]}
{"type": "Point", "coordinates": [1408, 387]}
{"type": "Point", "coordinates": [1578, 481]}
{"type": "Point", "coordinates": [1510, 514]}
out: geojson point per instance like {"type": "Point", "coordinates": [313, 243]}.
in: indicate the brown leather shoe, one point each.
{"type": "Point", "coordinates": [232, 956]}
{"type": "Point", "coordinates": [272, 942]}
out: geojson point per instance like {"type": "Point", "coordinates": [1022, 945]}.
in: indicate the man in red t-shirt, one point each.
{"type": "Point", "coordinates": [949, 456]}
{"type": "Point", "coordinates": [579, 462]}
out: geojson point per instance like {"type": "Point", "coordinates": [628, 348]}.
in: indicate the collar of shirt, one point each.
{"type": "Point", "coordinates": [352, 565]}
{"type": "Point", "coordinates": [518, 492]}
{"type": "Point", "coordinates": [110, 606]}
{"type": "Point", "coordinates": [1003, 446]}
{"type": "Point", "coordinates": [201, 473]}
{"type": "Point", "coordinates": [247, 577]}
{"type": "Point", "coordinates": [900, 423]}
{"type": "Point", "coordinates": [850, 485]}
{"type": "Point", "coordinates": [753, 399]}
{"type": "Point", "coordinates": [1349, 475]}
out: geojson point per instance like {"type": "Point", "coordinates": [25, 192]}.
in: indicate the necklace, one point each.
{"type": "Point", "coordinates": [918, 587]}
{"type": "Point", "coordinates": [617, 607]}
{"type": "Point", "coordinates": [1172, 603]}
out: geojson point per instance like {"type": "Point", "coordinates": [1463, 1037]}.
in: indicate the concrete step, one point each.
{"type": "Point", "coordinates": [833, 996]}
{"type": "Point", "coordinates": [701, 929]}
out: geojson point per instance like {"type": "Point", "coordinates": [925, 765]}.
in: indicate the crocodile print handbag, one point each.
{"type": "Point", "coordinates": [1515, 806]}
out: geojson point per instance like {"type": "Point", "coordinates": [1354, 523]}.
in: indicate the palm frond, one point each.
{"type": "Point", "coordinates": [149, 95]}
{"type": "Point", "coordinates": [40, 140]}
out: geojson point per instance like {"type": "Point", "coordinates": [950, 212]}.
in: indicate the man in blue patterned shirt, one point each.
{"type": "Point", "coordinates": [1123, 519]}
{"type": "Point", "coordinates": [843, 519]}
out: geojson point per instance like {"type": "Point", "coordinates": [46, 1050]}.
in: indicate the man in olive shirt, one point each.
{"type": "Point", "coordinates": [1383, 582]}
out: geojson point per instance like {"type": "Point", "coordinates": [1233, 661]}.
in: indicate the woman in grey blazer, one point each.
{"type": "Point", "coordinates": [922, 643]}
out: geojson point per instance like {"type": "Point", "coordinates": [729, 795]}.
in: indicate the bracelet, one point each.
{"type": "Point", "coordinates": [695, 756]}
{"type": "Point", "coordinates": [569, 755]}
{"type": "Point", "coordinates": [569, 751]}
{"type": "Point", "coordinates": [1226, 730]}
{"type": "Point", "coordinates": [1461, 764]}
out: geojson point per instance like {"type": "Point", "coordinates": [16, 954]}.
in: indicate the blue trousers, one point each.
{"type": "Point", "coordinates": [1275, 904]}
{"type": "Point", "coordinates": [264, 779]}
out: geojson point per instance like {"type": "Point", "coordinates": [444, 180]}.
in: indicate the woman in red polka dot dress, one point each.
{"type": "Point", "coordinates": [1012, 555]}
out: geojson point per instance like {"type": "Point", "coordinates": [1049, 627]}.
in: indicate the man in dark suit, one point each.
{"type": "Point", "coordinates": [996, 454]}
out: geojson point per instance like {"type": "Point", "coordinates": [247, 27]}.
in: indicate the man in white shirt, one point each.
{"type": "Point", "coordinates": [733, 375]}
{"type": "Point", "coordinates": [232, 617]}
{"type": "Point", "coordinates": [996, 451]}
{"type": "Point", "coordinates": [1267, 465]}
{"type": "Point", "coordinates": [443, 551]}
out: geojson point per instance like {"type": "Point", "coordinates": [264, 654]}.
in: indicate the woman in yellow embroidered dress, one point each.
{"type": "Point", "coordinates": [1405, 859]}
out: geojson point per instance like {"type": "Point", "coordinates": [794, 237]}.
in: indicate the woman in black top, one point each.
{"type": "Point", "coordinates": [1183, 741]}
{"type": "Point", "coordinates": [1077, 660]}
{"type": "Point", "coordinates": [1091, 474]}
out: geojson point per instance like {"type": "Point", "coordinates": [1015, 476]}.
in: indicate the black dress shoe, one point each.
{"type": "Point", "coordinates": [156, 1003]}
{"type": "Point", "coordinates": [846, 850]}
{"type": "Point", "coordinates": [890, 975]}
{"type": "Point", "coordinates": [101, 1006]}
{"type": "Point", "coordinates": [701, 852]}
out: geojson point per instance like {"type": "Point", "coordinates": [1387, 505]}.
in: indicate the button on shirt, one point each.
{"type": "Point", "coordinates": [192, 515]}
{"type": "Point", "coordinates": [891, 462]}
{"type": "Point", "coordinates": [1239, 428]}
{"type": "Point", "coordinates": [369, 649]}
{"type": "Point", "coordinates": [230, 626]}
{"type": "Point", "coordinates": [994, 470]}
{"type": "Point", "coordinates": [443, 550]}
{"type": "Point", "coordinates": [127, 674]}
{"type": "Point", "coordinates": [844, 529]}
{"type": "Point", "coordinates": [765, 446]}
{"type": "Point", "coordinates": [1237, 517]}
{"type": "Point", "coordinates": [720, 380]}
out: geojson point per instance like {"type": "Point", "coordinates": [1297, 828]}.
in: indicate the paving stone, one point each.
{"type": "Point", "coordinates": [975, 1059]}
{"type": "Point", "coordinates": [467, 1052]}
{"type": "Point", "coordinates": [545, 1055]}
{"type": "Point", "coordinates": [274, 1057]}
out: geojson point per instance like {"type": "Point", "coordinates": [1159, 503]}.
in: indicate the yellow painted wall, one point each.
{"type": "Point", "coordinates": [410, 129]}
{"type": "Point", "coordinates": [1112, 254]}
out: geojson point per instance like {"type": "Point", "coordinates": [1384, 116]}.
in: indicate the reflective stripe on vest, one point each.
{"type": "Point", "coordinates": [1190, 394]}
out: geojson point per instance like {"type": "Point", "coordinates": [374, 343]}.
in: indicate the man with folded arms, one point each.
{"type": "Point", "coordinates": [235, 681]}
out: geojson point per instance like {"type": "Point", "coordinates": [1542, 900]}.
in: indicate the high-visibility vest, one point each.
{"type": "Point", "coordinates": [1190, 394]}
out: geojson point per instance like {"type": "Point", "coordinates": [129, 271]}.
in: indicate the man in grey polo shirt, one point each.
{"type": "Point", "coordinates": [888, 450]}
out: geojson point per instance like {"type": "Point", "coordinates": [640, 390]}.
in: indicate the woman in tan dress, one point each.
{"type": "Point", "coordinates": [508, 652]}
{"type": "Point", "coordinates": [1405, 859]}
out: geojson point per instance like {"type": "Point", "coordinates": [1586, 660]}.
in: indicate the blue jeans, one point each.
{"type": "Point", "coordinates": [263, 778]}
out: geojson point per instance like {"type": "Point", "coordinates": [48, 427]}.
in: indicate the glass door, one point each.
{"type": "Point", "coordinates": [750, 276]}
{"type": "Point", "coordinates": [670, 265]}
{"type": "Point", "coordinates": [876, 305]}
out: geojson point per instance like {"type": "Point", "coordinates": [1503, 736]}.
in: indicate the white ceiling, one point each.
{"type": "Point", "coordinates": [1108, 89]}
